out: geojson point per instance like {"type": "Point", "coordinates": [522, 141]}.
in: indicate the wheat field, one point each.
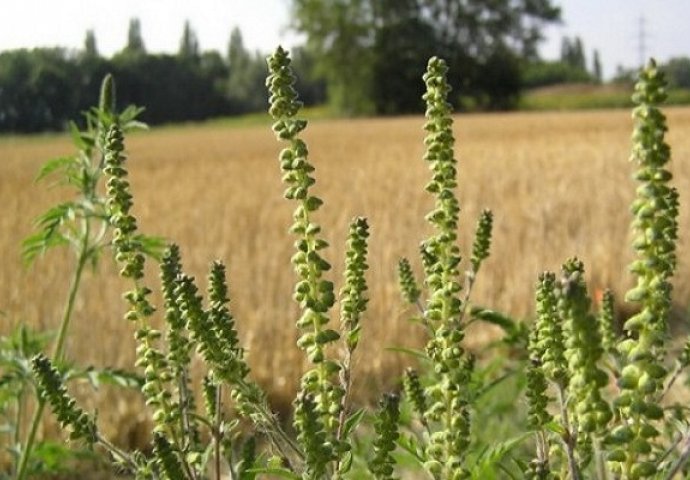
{"type": "Point", "coordinates": [558, 183]}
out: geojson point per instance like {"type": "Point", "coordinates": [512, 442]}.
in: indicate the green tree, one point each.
{"type": "Point", "coordinates": [135, 41]}
{"type": "Point", "coordinates": [246, 73]}
{"type": "Point", "coordinates": [596, 67]}
{"type": "Point", "coordinates": [90, 48]}
{"type": "Point", "coordinates": [572, 53]}
{"type": "Point", "coordinates": [678, 72]}
{"type": "Point", "coordinates": [340, 35]}
{"type": "Point", "coordinates": [189, 44]}
{"type": "Point", "coordinates": [402, 44]}
{"type": "Point", "coordinates": [359, 43]}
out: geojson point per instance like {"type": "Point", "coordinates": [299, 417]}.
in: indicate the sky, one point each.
{"type": "Point", "coordinates": [613, 27]}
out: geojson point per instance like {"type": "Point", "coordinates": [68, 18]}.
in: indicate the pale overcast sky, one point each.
{"type": "Point", "coordinates": [611, 26]}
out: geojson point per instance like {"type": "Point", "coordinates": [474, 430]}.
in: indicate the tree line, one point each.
{"type": "Point", "coordinates": [44, 88]}
{"type": "Point", "coordinates": [360, 56]}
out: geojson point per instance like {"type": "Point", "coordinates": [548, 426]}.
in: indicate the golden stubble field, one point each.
{"type": "Point", "coordinates": [558, 183]}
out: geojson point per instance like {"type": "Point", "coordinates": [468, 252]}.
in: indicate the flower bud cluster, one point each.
{"type": "Point", "coordinates": [354, 301]}
{"type": "Point", "coordinates": [314, 294]}
{"type": "Point", "coordinates": [179, 346]}
{"type": "Point", "coordinates": [386, 428]}
{"type": "Point", "coordinates": [415, 393]}
{"type": "Point", "coordinates": [408, 284]}
{"type": "Point", "coordinates": [549, 339]}
{"type": "Point", "coordinates": [609, 338]}
{"type": "Point", "coordinates": [482, 240]}
{"type": "Point", "coordinates": [127, 247]}
{"type": "Point", "coordinates": [583, 351]}
{"type": "Point", "coordinates": [536, 391]}
{"type": "Point", "coordinates": [52, 389]}
{"type": "Point", "coordinates": [448, 403]}
{"type": "Point", "coordinates": [655, 227]}
{"type": "Point", "coordinates": [311, 435]}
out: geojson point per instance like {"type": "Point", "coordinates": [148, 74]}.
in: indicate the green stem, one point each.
{"type": "Point", "coordinates": [600, 463]}
{"type": "Point", "coordinates": [58, 351]}
{"type": "Point", "coordinates": [569, 436]}
{"type": "Point", "coordinates": [116, 452]}
{"type": "Point", "coordinates": [83, 255]}
{"type": "Point", "coordinates": [682, 460]}
{"type": "Point", "coordinates": [217, 435]}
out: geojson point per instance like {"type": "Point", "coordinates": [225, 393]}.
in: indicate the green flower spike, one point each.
{"type": "Point", "coordinates": [655, 228]}
{"type": "Point", "coordinates": [353, 300]}
{"type": "Point", "coordinates": [127, 248]}
{"type": "Point", "coordinates": [583, 351]}
{"type": "Point", "coordinates": [609, 338]}
{"type": "Point", "coordinates": [415, 393]}
{"type": "Point", "coordinates": [128, 252]}
{"type": "Point", "coordinates": [482, 240]}
{"type": "Point", "coordinates": [408, 284]}
{"type": "Point", "coordinates": [448, 405]}
{"type": "Point", "coordinates": [179, 345]}
{"type": "Point", "coordinates": [312, 437]}
{"type": "Point", "coordinates": [537, 386]}
{"type": "Point", "coordinates": [386, 427]}
{"type": "Point", "coordinates": [550, 342]}
{"type": "Point", "coordinates": [166, 457]}
{"type": "Point", "coordinates": [314, 294]}
{"type": "Point", "coordinates": [52, 390]}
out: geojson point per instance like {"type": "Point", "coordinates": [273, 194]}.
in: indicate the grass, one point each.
{"type": "Point", "coordinates": [588, 96]}
{"type": "Point", "coordinates": [557, 183]}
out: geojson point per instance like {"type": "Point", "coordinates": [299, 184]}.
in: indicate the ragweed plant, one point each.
{"type": "Point", "coordinates": [655, 226]}
{"type": "Point", "coordinates": [322, 415]}
{"type": "Point", "coordinates": [81, 223]}
{"type": "Point", "coordinates": [596, 404]}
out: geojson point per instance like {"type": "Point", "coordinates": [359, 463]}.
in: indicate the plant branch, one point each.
{"type": "Point", "coordinates": [58, 351]}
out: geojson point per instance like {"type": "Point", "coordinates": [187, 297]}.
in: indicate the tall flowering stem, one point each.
{"type": "Point", "coordinates": [448, 407]}
{"type": "Point", "coordinates": [655, 226]}
{"type": "Point", "coordinates": [314, 293]}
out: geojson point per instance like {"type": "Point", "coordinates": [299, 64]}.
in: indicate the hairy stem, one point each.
{"type": "Point", "coordinates": [682, 459]}
{"type": "Point", "coordinates": [568, 438]}
{"type": "Point", "coordinates": [216, 437]}
{"type": "Point", "coordinates": [58, 351]}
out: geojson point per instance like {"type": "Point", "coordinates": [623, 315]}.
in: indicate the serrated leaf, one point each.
{"type": "Point", "coordinates": [38, 243]}
{"type": "Point", "coordinates": [55, 164]}
{"type": "Point", "coordinates": [491, 456]}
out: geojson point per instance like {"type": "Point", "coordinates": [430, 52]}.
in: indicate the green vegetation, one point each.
{"type": "Point", "coordinates": [597, 399]}
{"type": "Point", "coordinates": [589, 96]}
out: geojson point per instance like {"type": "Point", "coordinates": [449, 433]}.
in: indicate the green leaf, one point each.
{"type": "Point", "coordinates": [55, 165]}
{"type": "Point", "coordinates": [555, 427]}
{"type": "Point", "coordinates": [496, 318]}
{"type": "Point", "coordinates": [411, 445]}
{"type": "Point", "coordinates": [109, 376]}
{"type": "Point", "coordinates": [152, 246]}
{"type": "Point", "coordinates": [83, 141]}
{"type": "Point", "coordinates": [409, 351]}
{"type": "Point", "coordinates": [352, 421]}
{"type": "Point", "coordinates": [38, 244]}
{"type": "Point", "coordinates": [488, 461]}
{"type": "Point", "coordinates": [279, 472]}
